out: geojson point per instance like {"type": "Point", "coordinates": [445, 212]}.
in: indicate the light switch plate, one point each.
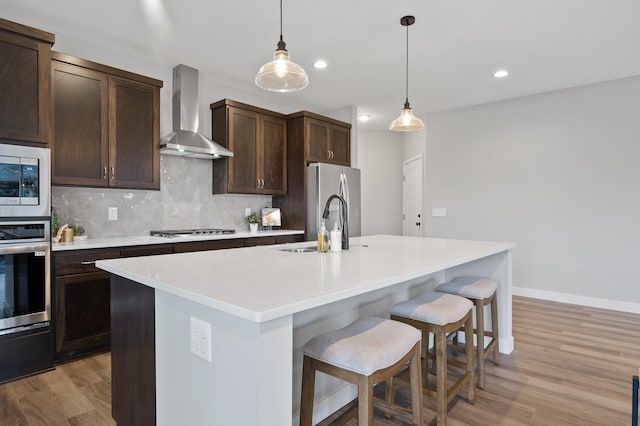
{"type": "Point", "coordinates": [438, 212]}
{"type": "Point", "coordinates": [113, 213]}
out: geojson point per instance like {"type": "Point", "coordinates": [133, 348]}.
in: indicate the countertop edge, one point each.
{"type": "Point", "coordinates": [142, 240]}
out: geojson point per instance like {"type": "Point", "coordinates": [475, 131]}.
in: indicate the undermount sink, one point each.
{"type": "Point", "coordinates": [300, 249]}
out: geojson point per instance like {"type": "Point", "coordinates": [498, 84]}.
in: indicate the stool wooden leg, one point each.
{"type": "Point", "coordinates": [441, 376]}
{"type": "Point", "coordinates": [468, 342]}
{"type": "Point", "coordinates": [495, 331]}
{"type": "Point", "coordinates": [365, 402]}
{"type": "Point", "coordinates": [390, 394]}
{"type": "Point", "coordinates": [306, 399]}
{"type": "Point", "coordinates": [416, 388]}
{"type": "Point", "coordinates": [480, 340]}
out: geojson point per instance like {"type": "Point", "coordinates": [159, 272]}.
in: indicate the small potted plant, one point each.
{"type": "Point", "coordinates": [253, 220]}
{"type": "Point", "coordinates": [78, 231]}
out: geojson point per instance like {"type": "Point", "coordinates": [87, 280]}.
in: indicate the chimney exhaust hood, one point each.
{"type": "Point", "coordinates": [185, 141]}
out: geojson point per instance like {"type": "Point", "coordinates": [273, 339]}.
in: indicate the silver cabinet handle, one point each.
{"type": "Point", "coordinates": [113, 173]}
{"type": "Point", "coordinates": [104, 173]}
{"type": "Point", "coordinates": [262, 185]}
{"type": "Point", "coordinates": [92, 262]}
{"type": "Point", "coordinates": [257, 183]}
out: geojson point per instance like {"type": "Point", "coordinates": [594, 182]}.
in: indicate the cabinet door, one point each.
{"type": "Point", "coordinates": [272, 155]}
{"type": "Point", "coordinates": [317, 140]}
{"type": "Point", "coordinates": [134, 135]}
{"type": "Point", "coordinates": [243, 138]}
{"type": "Point", "coordinates": [80, 119]}
{"type": "Point", "coordinates": [82, 313]}
{"type": "Point", "coordinates": [339, 145]}
{"type": "Point", "coordinates": [25, 88]}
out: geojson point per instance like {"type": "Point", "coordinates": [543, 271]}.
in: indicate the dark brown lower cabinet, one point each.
{"type": "Point", "coordinates": [23, 354]}
{"type": "Point", "coordinates": [81, 293]}
{"type": "Point", "coordinates": [83, 320]}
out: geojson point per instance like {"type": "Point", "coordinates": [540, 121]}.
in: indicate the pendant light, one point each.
{"type": "Point", "coordinates": [407, 121]}
{"type": "Point", "coordinates": [282, 75]}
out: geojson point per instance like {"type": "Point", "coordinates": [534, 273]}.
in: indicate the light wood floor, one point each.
{"type": "Point", "coordinates": [572, 366]}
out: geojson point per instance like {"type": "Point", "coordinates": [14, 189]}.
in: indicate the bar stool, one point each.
{"type": "Point", "coordinates": [440, 314]}
{"type": "Point", "coordinates": [481, 291]}
{"type": "Point", "coordinates": [365, 353]}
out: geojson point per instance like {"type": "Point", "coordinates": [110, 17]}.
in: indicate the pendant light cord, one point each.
{"type": "Point", "coordinates": [280, 20]}
{"type": "Point", "coordinates": [406, 101]}
{"type": "Point", "coordinates": [281, 44]}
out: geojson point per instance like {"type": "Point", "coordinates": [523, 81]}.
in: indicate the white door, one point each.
{"type": "Point", "coordinates": [412, 197]}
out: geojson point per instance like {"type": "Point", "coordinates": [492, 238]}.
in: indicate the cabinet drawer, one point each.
{"type": "Point", "coordinates": [147, 250]}
{"type": "Point", "coordinates": [261, 241]}
{"type": "Point", "coordinates": [208, 245]}
{"type": "Point", "coordinates": [283, 239]}
{"type": "Point", "coordinates": [82, 261]}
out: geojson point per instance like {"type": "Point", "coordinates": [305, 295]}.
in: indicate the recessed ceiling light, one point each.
{"type": "Point", "coordinates": [501, 74]}
{"type": "Point", "coordinates": [320, 64]}
{"type": "Point", "coordinates": [364, 117]}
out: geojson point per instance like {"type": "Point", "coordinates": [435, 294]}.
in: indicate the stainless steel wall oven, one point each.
{"type": "Point", "coordinates": [24, 275]}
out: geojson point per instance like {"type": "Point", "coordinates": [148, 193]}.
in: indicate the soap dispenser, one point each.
{"type": "Point", "coordinates": [323, 239]}
{"type": "Point", "coordinates": [336, 238]}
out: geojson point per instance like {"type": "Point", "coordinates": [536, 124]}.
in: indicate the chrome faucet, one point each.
{"type": "Point", "coordinates": [345, 218]}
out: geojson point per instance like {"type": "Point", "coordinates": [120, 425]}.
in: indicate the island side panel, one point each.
{"type": "Point", "coordinates": [133, 382]}
{"type": "Point", "coordinates": [499, 268]}
{"type": "Point", "coordinates": [248, 380]}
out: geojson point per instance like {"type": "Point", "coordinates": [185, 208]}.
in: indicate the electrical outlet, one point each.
{"type": "Point", "coordinates": [113, 213]}
{"type": "Point", "coordinates": [200, 339]}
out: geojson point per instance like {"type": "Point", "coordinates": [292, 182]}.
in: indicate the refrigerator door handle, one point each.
{"type": "Point", "coordinates": [343, 191]}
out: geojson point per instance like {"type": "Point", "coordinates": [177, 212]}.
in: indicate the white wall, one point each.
{"type": "Point", "coordinates": [380, 158]}
{"type": "Point", "coordinates": [556, 173]}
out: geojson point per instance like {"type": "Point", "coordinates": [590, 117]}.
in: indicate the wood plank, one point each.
{"type": "Point", "coordinates": [562, 372]}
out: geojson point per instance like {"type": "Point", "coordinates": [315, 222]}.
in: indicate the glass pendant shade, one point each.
{"type": "Point", "coordinates": [282, 75]}
{"type": "Point", "coordinates": [406, 122]}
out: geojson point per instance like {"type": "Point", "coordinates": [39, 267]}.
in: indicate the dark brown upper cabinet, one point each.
{"type": "Point", "coordinates": [258, 140]}
{"type": "Point", "coordinates": [325, 140]}
{"type": "Point", "coordinates": [106, 126]}
{"type": "Point", "coordinates": [25, 84]}
{"type": "Point", "coordinates": [312, 138]}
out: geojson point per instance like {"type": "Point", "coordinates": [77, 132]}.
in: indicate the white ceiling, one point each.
{"type": "Point", "coordinates": [455, 45]}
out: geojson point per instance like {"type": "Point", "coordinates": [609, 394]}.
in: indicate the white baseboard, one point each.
{"type": "Point", "coordinates": [595, 302]}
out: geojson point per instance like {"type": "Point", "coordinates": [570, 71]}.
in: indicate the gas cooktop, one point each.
{"type": "Point", "coordinates": [170, 233]}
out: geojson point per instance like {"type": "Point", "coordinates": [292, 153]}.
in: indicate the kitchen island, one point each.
{"type": "Point", "coordinates": [262, 304]}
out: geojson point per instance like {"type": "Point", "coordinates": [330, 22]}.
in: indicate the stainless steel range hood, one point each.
{"type": "Point", "coordinates": [185, 141]}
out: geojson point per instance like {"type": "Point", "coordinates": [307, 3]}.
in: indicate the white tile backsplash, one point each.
{"type": "Point", "coordinates": [184, 201]}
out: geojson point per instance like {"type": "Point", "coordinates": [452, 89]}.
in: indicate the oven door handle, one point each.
{"type": "Point", "coordinates": [23, 248]}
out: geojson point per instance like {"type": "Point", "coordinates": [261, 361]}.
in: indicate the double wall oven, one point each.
{"type": "Point", "coordinates": [25, 209]}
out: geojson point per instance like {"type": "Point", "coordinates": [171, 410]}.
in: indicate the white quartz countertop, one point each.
{"type": "Point", "coordinates": [264, 283]}
{"type": "Point", "coordinates": [93, 243]}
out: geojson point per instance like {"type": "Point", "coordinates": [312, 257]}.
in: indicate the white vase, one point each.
{"type": "Point", "coordinates": [253, 228]}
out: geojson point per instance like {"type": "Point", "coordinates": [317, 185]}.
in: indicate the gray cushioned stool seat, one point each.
{"type": "Point", "coordinates": [433, 308]}
{"type": "Point", "coordinates": [469, 287]}
{"type": "Point", "coordinates": [365, 346]}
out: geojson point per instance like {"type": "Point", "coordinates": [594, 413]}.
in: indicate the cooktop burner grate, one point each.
{"type": "Point", "coordinates": [191, 232]}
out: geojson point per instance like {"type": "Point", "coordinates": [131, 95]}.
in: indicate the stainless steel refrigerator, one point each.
{"type": "Point", "coordinates": [324, 180]}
